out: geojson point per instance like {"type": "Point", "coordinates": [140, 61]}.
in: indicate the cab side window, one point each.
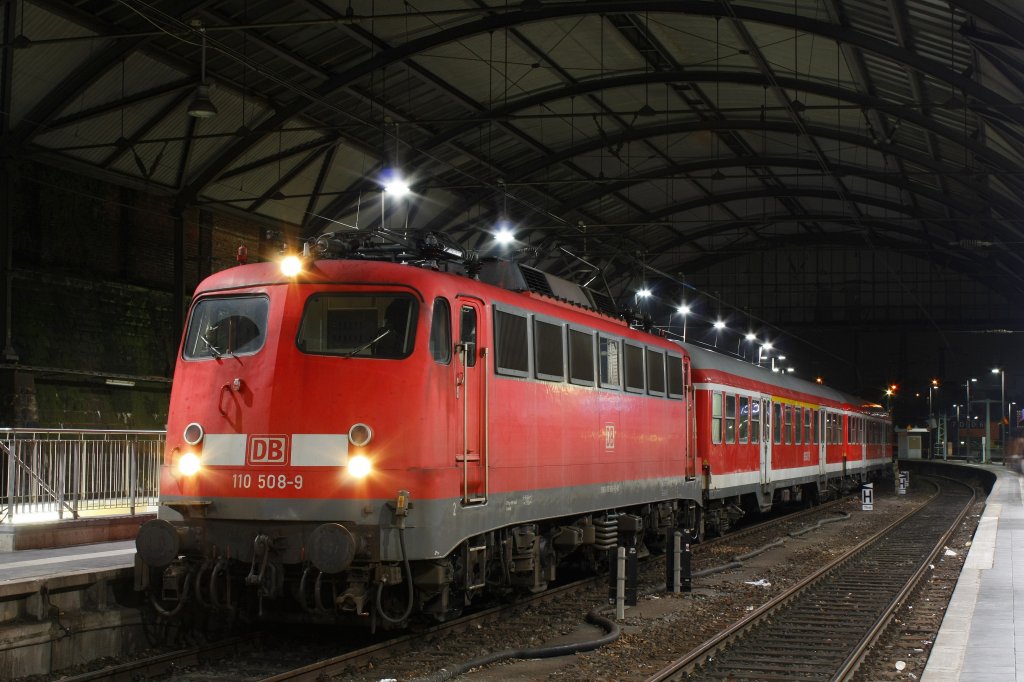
{"type": "Point", "coordinates": [441, 332]}
{"type": "Point", "coordinates": [467, 333]}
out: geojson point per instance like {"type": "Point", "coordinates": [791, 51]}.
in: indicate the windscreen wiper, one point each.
{"type": "Point", "coordinates": [216, 352]}
{"type": "Point", "coordinates": [367, 344]}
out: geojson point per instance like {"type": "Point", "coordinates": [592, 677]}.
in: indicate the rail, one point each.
{"type": "Point", "coordinates": [53, 474]}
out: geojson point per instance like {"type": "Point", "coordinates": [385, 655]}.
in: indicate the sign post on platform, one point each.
{"type": "Point", "coordinates": [867, 497]}
{"type": "Point", "coordinates": [904, 482]}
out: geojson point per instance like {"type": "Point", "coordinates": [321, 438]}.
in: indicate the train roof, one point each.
{"type": "Point", "coordinates": [705, 358]}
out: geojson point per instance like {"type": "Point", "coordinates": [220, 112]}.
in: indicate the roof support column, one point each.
{"type": "Point", "coordinates": [7, 169]}
{"type": "Point", "coordinates": [180, 298]}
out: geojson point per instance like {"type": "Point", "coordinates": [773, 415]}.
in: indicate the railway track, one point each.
{"type": "Point", "coordinates": [821, 628]}
{"type": "Point", "coordinates": [257, 653]}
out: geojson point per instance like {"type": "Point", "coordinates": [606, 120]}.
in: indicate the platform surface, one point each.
{"type": "Point", "coordinates": [979, 639]}
{"type": "Point", "coordinates": [41, 564]}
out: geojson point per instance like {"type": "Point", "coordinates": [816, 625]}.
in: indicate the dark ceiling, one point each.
{"type": "Point", "coordinates": [867, 150]}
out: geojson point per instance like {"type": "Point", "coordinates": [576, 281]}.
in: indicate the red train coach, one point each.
{"type": "Point", "coordinates": [766, 436]}
{"type": "Point", "coordinates": [375, 440]}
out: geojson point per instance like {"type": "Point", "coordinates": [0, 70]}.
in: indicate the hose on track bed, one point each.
{"type": "Point", "coordinates": [611, 634]}
{"type": "Point", "coordinates": [737, 561]}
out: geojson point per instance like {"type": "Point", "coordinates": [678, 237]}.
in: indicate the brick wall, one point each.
{"type": "Point", "coordinates": [93, 292]}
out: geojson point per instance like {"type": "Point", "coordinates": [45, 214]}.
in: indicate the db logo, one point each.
{"type": "Point", "coordinates": [267, 450]}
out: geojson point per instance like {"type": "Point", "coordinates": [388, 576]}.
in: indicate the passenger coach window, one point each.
{"type": "Point", "coordinates": [441, 332]}
{"type": "Point", "coordinates": [730, 419]}
{"type": "Point", "coordinates": [755, 420]}
{"type": "Point", "coordinates": [807, 425]}
{"type": "Point", "coordinates": [226, 326]}
{"type": "Point", "coordinates": [547, 345]}
{"type": "Point", "coordinates": [610, 362]}
{"type": "Point", "coordinates": [777, 429]}
{"type": "Point", "coordinates": [512, 349]}
{"type": "Point", "coordinates": [716, 417]}
{"type": "Point", "coordinates": [741, 426]}
{"type": "Point", "coordinates": [634, 368]}
{"type": "Point", "coordinates": [655, 372]}
{"type": "Point", "coordinates": [359, 325]}
{"type": "Point", "coordinates": [787, 434]}
{"type": "Point", "coordinates": [581, 357]}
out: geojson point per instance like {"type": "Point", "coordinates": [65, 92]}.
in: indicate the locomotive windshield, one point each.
{"type": "Point", "coordinates": [226, 326]}
{"type": "Point", "coordinates": [358, 325]}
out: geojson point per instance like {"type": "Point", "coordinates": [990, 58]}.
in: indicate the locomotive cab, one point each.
{"type": "Point", "coordinates": [297, 414]}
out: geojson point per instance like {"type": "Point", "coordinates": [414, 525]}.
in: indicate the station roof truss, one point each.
{"type": "Point", "coordinates": [621, 140]}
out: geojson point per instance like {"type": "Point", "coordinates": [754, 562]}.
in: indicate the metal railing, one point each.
{"type": "Point", "coordinates": [60, 473]}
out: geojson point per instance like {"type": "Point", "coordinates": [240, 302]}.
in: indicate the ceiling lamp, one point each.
{"type": "Point", "coordinates": [202, 106]}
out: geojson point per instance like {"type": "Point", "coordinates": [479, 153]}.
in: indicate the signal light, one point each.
{"type": "Point", "coordinates": [360, 435]}
{"type": "Point", "coordinates": [291, 266]}
{"type": "Point", "coordinates": [193, 433]}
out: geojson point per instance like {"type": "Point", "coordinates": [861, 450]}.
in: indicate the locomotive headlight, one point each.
{"type": "Point", "coordinates": [291, 266]}
{"type": "Point", "coordinates": [359, 466]}
{"type": "Point", "coordinates": [360, 435]}
{"type": "Point", "coordinates": [189, 464]}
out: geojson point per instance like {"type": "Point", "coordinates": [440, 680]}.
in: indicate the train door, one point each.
{"type": "Point", "coordinates": [766, 439]}
{"type": "Point", "coordinates": [822, 440]}
{"type": "Point", "coordinates": [691, 423]}
{"type": "Point", "coordinates": [862, 443]}
{"type": "Point", "coordinates": [471, 393]}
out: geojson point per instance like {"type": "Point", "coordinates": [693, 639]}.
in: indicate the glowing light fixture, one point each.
{"type": "Point", "coordinates": [644, 293]}
{"type": "Point", "coordinates": [359, 466]}
{"type": "Point", "coordinates": [397, 187]}
{"type": "Point", "coordinates": [751, 336]}
{"type": "Point", "coordinates": [719, 324]}
{"type": "Point", "coordinates": [504, 236]}
{"type": "Point", "coordinates": [291, 266]}
{"type": "Point", "coordinates": [189, 464]}
{"type": "Point", "coordinates": [683, 309]}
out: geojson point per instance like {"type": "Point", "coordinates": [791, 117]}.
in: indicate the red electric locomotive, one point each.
{"type": "Point", "coordinates": [372, 439]}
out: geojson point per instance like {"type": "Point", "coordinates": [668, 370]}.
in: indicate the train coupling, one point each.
{"type": "Point", "coordinates": [354, 599]}
{"type": "Point", "coordinates": [174, 585]}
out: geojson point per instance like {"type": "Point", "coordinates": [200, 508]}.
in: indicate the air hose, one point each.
{"type": "Point", "coordinates": [408, 579]}
{"type": "Point", "coordinates": [737, 561]}
{"type": "Point", "coordinates": [611, 634]}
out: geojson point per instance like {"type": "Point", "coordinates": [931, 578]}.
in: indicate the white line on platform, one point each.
{"type": "Point", "coordinates": [68, 558]}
